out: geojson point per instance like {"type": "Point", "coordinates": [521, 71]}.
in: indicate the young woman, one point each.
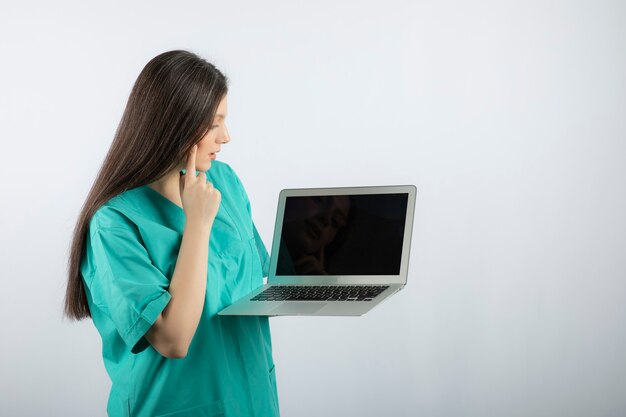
{"type": "Point", "coordinates": [164, 241]}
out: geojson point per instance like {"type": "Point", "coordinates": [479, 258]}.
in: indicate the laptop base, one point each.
{"type": "Point", "coordinates": [245, 307]}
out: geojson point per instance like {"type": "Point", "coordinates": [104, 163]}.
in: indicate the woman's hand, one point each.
{"type": "Point", "coordinates": [200, 199]}
{"type": "Point", "coordinates": [173, 330]}
{"type": "Point", "coordinates": [310, 265]}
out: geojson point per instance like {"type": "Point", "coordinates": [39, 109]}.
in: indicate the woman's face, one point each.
{"type": "Point", "coordinates": [311, 223]}
{"type": "Point", "coordinates": [212, 142]}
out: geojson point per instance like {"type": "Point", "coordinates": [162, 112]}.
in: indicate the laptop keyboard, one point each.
{"type": "Point", "coordinates": [320, 293]}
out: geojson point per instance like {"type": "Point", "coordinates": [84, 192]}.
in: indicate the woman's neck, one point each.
{"type": "Point", "coordinates": [168, 187]}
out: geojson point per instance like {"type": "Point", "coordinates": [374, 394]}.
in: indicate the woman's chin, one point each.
{"type": "Point", "coordinates": [203, 166]}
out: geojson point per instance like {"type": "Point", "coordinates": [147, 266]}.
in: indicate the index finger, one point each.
{"type": "Point", "coordinates": [191, 161]}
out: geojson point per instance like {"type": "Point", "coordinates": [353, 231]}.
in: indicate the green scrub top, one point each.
{"type": "Point", "coordinates": [131, 252]}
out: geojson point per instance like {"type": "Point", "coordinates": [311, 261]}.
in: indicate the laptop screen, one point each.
{"type": "Point", "coordinates": [357, 234]}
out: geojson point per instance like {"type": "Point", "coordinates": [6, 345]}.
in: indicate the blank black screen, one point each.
{"type": "Point", "coordinates": [359, 234]}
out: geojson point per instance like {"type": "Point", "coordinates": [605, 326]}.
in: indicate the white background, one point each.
{"type": "Point", "coordinates": [510, 117]}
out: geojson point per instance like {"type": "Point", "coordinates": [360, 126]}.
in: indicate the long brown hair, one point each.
{"type": "Point", "coordinates": [170, 108]}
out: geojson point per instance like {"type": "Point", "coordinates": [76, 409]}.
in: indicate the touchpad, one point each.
{"type": "Point", "coordinates": [296, 308]}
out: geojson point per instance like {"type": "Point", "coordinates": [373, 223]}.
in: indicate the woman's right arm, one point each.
{"type": "Point", "coordinates": [173, 330]}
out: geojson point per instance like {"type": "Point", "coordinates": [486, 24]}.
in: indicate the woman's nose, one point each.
{"type": "Point", "coordinates": [225, 138]}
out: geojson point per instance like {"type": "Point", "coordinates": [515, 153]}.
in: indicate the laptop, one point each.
{"type": "Point", "coordinates": [335, 252]}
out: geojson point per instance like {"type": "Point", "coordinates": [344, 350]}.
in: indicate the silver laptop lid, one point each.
{"type": "Point", "coordinates": [343, 235]}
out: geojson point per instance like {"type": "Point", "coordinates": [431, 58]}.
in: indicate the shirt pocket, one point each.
{"type": "Point", "coordinates": [240, 270]}
{"type": "Point", "coordinates": [272, 375]}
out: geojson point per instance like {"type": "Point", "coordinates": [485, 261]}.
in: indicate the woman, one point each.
{"type": "Point", "coordinates": [159, 250]}
{"type": "Point", "coordinates": [310, 234]}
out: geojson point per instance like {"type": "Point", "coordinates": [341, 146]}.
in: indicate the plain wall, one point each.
{"type": "Point", "coordinates": [509, 117]}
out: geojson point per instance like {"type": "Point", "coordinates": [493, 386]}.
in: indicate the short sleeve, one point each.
{"type": "Point", "coordinates": [126, 284]}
